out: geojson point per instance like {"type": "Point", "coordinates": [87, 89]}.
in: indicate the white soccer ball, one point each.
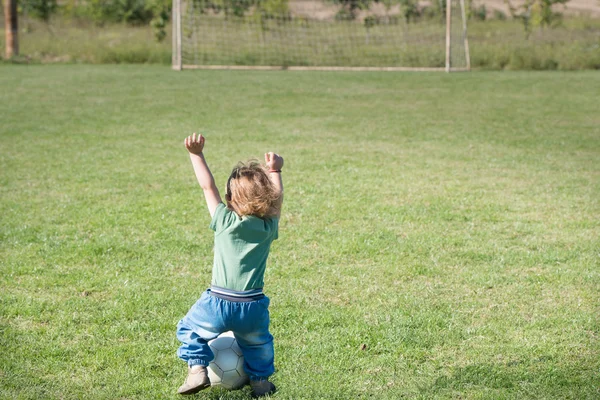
{"type": "Point", "coordinates": [227, 369]}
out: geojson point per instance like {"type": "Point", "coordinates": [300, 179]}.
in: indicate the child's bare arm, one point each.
{"type": "Point", "coordinates": [195, 146]}
{"type": "Point", "coordinates": [274, 163]}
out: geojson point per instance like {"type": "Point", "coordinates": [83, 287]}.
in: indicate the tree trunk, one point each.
{"type": "Point", "coordinates": [11, 28]}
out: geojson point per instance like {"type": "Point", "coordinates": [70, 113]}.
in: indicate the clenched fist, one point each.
{"type": "Point", "coordinates": [194, 144]}
{"type": "Point", "coordinates": [273, 161]}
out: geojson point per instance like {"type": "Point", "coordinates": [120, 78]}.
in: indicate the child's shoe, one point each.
{"type": "Point", "coordinates": [196, 380]}
{"type": "Point", "coordinates": [262, 388]}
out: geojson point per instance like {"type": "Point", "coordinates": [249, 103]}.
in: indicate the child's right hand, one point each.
{"type": "Point", "coordinates": [274, 161]}
{"type": "Point", "coordinates": [194, 144]}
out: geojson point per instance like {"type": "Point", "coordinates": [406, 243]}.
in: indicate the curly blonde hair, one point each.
{"type": "Point", "coordinates": [251, 192]}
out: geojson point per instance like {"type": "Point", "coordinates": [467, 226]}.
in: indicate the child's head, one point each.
{"type": "Point", "coordinates": [250, 191]}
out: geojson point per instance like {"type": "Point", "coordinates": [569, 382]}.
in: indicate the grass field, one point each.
{"type": "Point", "coordinates": [440, 234]}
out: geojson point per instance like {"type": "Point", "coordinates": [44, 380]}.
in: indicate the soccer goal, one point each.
{"type": "Point", "coordinates": [392, 35]}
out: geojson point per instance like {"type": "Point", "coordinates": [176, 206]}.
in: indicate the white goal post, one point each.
{"type": "Point", "coordinates": [359, 35]}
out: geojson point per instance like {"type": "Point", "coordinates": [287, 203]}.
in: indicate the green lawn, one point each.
{"type": "Point", "coordinates": [440, 234]}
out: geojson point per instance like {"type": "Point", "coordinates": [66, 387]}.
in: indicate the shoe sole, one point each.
{"type": "Point", "coordinates": [195, 389]}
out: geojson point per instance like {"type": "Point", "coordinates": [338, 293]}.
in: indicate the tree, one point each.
{"type": "Point", "coordinates": [351, 7]}
{"type": "Point", "coordinates": [536, 13]}
{"type": "Point", "coordinates": [229, 7]}
{"type": "Point", "coordinates": [40, 9]}
{"type": "Point", "coordinates": [410, 10]}
{"type": "Point", "coordinates": [161, 13]}
{"type": "Point", "coordinates": [11, 28]}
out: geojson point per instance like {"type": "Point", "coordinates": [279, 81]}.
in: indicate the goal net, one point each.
{"type": "Point", "coordinates": [320, 34]}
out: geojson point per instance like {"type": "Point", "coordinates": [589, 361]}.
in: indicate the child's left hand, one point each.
{"type": "Point", "coordinates": [194, 144]}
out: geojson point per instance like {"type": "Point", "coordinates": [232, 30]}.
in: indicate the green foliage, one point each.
{"type": "Point", "coordinates": [499, 15]}
{"type": "Point", "coordinates": [159, 25]}
{"type": "Point", "coordinates": [161, 11]}
{"type": "Point", "coordinates": [229, 7]}
{"type": "Point", "coordinates": [410, 10]}
{"type": "Point", "coordinates": [236, 7]}
{"type": "Point", "coordinates": [273, 8]}
{"type": "Point", "coordinates": [439, 8]}
{"type": "Point", "coordinates": [132, 12]}
{"type": "Point", "coordinates": [370, 21]}
{"type": "Point", "coordinates": [239, 8]}
{"type": "Point", "coordinates": [156, 13]}
{"type": "Point", "coordinates": [345, 14]}
{"type": "Point", "coordinates": [476, 12]}
{"type": "Point", "coordinates": [349, 8]}
{"type": "Point", "coordinates": [268, 10]}
{"type": "Point", "coordinates": [497, 44]}
{"type": "Point", "coordinates": [536, 13]}
{"type": "Point", "coordinates": [40, 9]}
{"type": "Point", "coordinates": [128, 11]}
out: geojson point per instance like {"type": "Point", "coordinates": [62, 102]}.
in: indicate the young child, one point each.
{"type": "Point", "coordinates": [244, 230]}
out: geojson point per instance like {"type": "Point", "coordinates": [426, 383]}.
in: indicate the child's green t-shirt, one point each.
{"type": "Point", "coordinates": [241, 249]}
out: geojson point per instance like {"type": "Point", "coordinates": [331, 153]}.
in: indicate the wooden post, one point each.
{"type": "Point", "coordinates": [466, 41]}
{"type": "Point", "coordinates": [11, 28]}
{"type": "Point", "coordinates": [176, 57]}
{"type": "Point", "coordinates": [173, 34]}
{"type": "Point", "coordinates": [448, 22]}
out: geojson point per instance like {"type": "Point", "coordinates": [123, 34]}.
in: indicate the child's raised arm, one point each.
{"type": "Point", "coordinates": [195, 145]}
{"type": "Point", "coordinates": [274, 163]}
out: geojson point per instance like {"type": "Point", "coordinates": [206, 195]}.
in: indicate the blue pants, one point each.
{"type": "Point", "coordinates": [211, 316]}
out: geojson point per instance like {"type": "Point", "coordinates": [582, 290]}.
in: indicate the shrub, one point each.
{"type": "Point", "coordinates": [479, 13]}
{"type": "Point", "coordinates": [40, 9]}
{"type": "Point", "coordinates": [499, 15]}
{"type": "Point", "coordinates": [135, 12]}
{"type": "Point", "coordinates": [410, 10]}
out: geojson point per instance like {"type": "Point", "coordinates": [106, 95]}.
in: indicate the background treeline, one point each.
{"type": "Point", "coordinates": [139, 12]}
{"type": "Point", "coordinates": [132, 12]}
{"type": "Point", "coordinates": [532, 14]}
